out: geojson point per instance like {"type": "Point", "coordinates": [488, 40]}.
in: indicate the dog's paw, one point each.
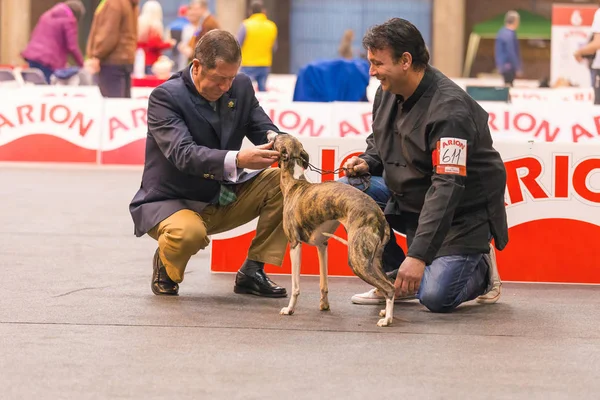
{"type": "Point", "coordinates": [286, 311]}
{"type": "Point", "coordinates": [384, 322]}
{"type": "Point", "coordinates": [382, 313]}
{"type": "Point", "coordinates": [323, 306]}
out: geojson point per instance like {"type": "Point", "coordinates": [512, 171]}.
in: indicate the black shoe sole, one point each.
{"type": "Point", "coordinates": [156, 292]}
{"type": "Point", "coordinates": [243, 290]}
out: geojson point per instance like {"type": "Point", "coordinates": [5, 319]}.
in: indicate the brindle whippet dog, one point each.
{"type": "Point", "coordinates": [311, 214]}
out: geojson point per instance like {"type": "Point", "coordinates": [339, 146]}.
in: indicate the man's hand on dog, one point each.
{"type": "Point", "coordinates": [409, 276]}
{"type": "Point", "coordinates": [257, 157]}
{"type": "Point", "coordinates": [356, 166]}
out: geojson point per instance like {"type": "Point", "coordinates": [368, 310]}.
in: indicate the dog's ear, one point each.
{"type": "Point", "coordinates": [305, 159]}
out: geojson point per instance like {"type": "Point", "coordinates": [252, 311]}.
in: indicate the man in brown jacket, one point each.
{"type": "Point", "coordinates": [111, 46]}
{"type": "Point", "coordinates": [207, 23]}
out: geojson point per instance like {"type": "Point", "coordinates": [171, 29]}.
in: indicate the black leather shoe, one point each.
{"type": "Point", "coordinates": [162, 285]}
{"type": "Point", "coordinates": [257, 284]}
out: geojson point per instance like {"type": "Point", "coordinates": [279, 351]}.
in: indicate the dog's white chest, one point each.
{"type": "Point", "coordinates": [298, 171]}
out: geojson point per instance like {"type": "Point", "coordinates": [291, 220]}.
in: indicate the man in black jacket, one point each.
{"type": "Point", "coordinates": [194, 184]}
{"type": "Point", "coordinates": [432, 146]}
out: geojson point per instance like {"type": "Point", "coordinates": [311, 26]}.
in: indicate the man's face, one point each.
{"type": "Point", "coordinates": [392, 75]}
{"type": "Point", "coordinates": [193, 13]}
{"type": "Point", "coordinates": [213, 83]}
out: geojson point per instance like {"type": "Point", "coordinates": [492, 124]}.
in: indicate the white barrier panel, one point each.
{"type": "Point", "coordinates": [548, 123]}
{"type": "Point", "coordinates": [553, 200]}
{"type": "Point", "coordinates": [117, 128]}
{"type": "Point", "coordinates": [281, 90]}
{"type": "Point", "coordinates": [50, 129]}
{"type": "Point", "coordinates": [124, 131]}
{"type": "Point", "coordinates": [520, 96]}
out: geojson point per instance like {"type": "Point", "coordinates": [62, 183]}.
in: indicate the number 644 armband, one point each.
{"type": "Point", "coordinates": [450, 156]}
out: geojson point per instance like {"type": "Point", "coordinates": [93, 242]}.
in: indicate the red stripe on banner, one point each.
{"type": "Point", "coordinates": [573, 15]}
{"type": "Point", "coordinates": [229, 254]}
{"type": "Point", "coordinates": [568, 253]}
{"type": "Point", "coordinates": [45, 148]}
{"type": "Point", "coordinates": [133, 153]}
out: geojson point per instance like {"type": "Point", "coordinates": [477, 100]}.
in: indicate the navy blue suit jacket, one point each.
{"type": "Point", "coordinates": [187, 143]}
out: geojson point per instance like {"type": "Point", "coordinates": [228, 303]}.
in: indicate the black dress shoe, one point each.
{"type": "Point", "coordinates": [257, 283]}
{"type": "Point", "coordinates": [161, 283]}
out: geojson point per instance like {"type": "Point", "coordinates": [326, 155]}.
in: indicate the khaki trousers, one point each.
{"type": "Point", "coordinates": [184, 233]}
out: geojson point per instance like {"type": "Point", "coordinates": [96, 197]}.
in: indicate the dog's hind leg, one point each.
{"type": "Point", "coordinates": [365, 252]}
{"type": "Point", "coordinates": [322, 252]}
{"type": "Point", "coordinates": [295, 256]}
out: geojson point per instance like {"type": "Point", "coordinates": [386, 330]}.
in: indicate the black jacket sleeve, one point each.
{"type": "Point", "coordinates": [448, 180]}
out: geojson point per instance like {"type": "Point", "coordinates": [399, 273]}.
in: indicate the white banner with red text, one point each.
{"type": "Point", "coordinates": [553, 206]}
{"type": "Point", "coordinates": [113, 131]}
{"type": "Point", "coordinates": [553, 187]}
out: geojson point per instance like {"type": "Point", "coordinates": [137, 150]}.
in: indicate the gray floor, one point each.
{"type": "Point", "coordinates": [78, 320]}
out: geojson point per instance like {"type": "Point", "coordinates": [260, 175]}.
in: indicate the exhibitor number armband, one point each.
{"type": "Point", "coordinates": [450, 157]}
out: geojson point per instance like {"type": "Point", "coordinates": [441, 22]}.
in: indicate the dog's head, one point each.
{"type": "Point", "coordinates": [290, 151]}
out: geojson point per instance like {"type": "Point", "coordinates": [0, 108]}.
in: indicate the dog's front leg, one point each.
{"type": "Point", "coordinates": [324, 302]}
{"type": "Point", "coordinates": [295, 256]}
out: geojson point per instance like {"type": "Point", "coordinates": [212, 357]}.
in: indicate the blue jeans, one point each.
{"type": "Point", "coordinates": [449, 280]}
{"type": "Point", "coordinates": [47, 71]}
{"type": "Point", "coordinates": [258, 74]}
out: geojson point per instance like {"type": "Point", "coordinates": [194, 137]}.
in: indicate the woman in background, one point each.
{"type": "Point", "coordinates": [54, 38]}
{"type": "Point", "coordinates": [151, 33]}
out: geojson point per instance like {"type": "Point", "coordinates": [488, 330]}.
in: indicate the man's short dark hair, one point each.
{"type": "Point", "coordinates": [256, 7]}
{"type": "Point", "coordinates": [217, 44]}
{"type": "Point", "coordinates": [400, 36]}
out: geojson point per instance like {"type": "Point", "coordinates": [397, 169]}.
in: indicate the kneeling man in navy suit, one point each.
{"type": "Point", "coordinates": [194, 184]}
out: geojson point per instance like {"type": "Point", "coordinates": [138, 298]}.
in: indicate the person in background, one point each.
{"type": "Point", "coordinates": [150, 33]}
{"type": "Point", "coordinates": [54, 38]}
{"type": "Point", "coordinates": [112, 44]}
{"type": "Point", "coordinates": [345, 49]}
{"type": "Point", "coordinates": [207, 22]}
{"type": "Point", "coordinates": [592, 50]}
{"type": "Point", "coordinates": [176, 28]}
{"type": "Point", "coordinates": [507, 51]}
{"type": "Point", "coordinates": [193, 16]}
{"type": "Point", "coordinates": [258, 38]}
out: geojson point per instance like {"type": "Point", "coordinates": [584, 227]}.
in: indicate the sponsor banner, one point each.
{"type": "Point", "coordinates": [118, 127]}
{"type": "Point", "coordinates": [124, 130]}
{"type": "Point", "coordinates": [301, 119]}
{"type": "Point", "coordinates": [553, 200]}
{"type": "Point", "coordinates": [552, 123]}
{"type": "Point", "coordinates": [571, 29]}
{"type": "Point", "coordinates": [56, 129]}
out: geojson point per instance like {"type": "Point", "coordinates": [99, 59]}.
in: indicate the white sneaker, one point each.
{"type": "Point", "coordinates": [374, 297]}
{"type": "Point", "coordinates": [492, 296]}
{"type": "Point", "coordinates": [495, 284]}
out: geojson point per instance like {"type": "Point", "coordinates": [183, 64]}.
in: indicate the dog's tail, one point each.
{"type": "Point", "coordinates": [330, 235]}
